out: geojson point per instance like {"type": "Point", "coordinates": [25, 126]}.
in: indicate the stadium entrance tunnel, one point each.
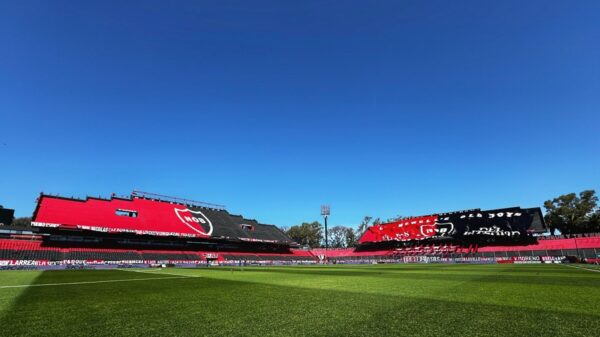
{"type": "Point", "coordinates": [228, 302]}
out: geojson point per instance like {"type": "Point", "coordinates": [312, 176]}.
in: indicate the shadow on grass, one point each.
{"type": "Point", "coordinates": [214, 307]}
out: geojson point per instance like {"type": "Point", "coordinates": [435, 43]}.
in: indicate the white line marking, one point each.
{"type": "Point", "coordinates": [157, 271]}
{"type": "Point", "coordinates": [93, 282]}
{"type": "Point", "coordinates": [594, 270]}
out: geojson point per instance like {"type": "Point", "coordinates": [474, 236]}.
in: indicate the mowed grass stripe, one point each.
{"type": "Point", "coordinates": [93, 282]}
{"type": "Point", "coordinates": [158, 272]}
{"type": "Point", "coordinates": [374, 300]}
{"type": "Point", "coordinates": [521, 274]}
{"type": "Point", "coordinates": [505, 285]}
{"type": "Point", "coordinates": [99, 277]}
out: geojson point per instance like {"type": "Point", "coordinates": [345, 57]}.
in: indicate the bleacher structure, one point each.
{"type": "Point", "coordinates": [553, 250]}
{"type": "Point", "coordinates": [508, 235]}
{"type": "Point", "coordinates": [143, 229]}
{"type": "Point", "coordinates": [146, 229]}
{"type": "Point", "coordinates": [34, 252]}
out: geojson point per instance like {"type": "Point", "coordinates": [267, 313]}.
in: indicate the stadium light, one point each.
{"type": "Point", "coordinates": [325, 211]}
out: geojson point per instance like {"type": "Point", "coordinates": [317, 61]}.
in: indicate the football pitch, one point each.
{"type": "Point", "coordinates": [367, 300]}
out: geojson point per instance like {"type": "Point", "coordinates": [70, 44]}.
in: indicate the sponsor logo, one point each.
{"type": "Point", "coordinates": [44, 224]}
{"type": "Point", "coordinates": [195, 220]}
{"type": "Point", "coordinates": [5, 263]}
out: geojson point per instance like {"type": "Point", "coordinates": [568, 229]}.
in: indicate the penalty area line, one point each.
{"type": "Point", "coordinates": [93, 282]}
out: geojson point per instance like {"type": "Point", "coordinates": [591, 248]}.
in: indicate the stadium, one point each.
{"type": "Point", "coordinates": [307, 168]}
{"type": "Point", "coordinates": [149, 229]}
{"type": "Point", "coordinates": [167, 255]}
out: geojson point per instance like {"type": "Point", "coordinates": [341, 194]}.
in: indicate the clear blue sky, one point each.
{"type": "Point", "coordinates": [272, 108]}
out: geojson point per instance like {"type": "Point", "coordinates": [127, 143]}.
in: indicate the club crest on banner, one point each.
{"type": "Point", "coordinates": [196, 220]}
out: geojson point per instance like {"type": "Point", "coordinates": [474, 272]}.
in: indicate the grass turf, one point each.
{"type": "Point", "coordinates": [374, 300]}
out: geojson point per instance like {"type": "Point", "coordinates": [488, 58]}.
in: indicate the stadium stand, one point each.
{"type": "Point", "coordinates": [155, 217]}
{"type": "Point", "coordinates": [587, 248]}
{"type": "Point", "coordinates": [147, 229]}
{"type": "Point", "coordinates": [550, 250]}
{"type": "Point", "coordinates": [498, 226]}
{"type": "Point", "coordinates": [143, 229]}
{"type": "Point", "coordinates": [34, 250]}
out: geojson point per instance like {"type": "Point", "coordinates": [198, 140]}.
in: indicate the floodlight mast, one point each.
{"type": "Point", "coordinates": [325, 211]}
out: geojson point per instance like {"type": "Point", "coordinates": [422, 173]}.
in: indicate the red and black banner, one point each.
{"type": "Point", "coordinates": [505, 224]}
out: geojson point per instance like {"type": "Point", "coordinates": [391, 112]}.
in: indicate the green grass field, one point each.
{"type": "Point", "coordinates": [370, 300]}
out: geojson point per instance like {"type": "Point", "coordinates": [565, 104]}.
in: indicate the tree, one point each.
{"type": "Point", "coordinates": [307, 234]}
{"type": "Point", "coordinates": [22, 222]}
{"type": "Point", "coordinates": [351, 238]}
{"type": "Point", "coordinates": [337, 237]}
{"type": "Point", "coordinates": [572, 214]}
{"type": "Point", "coordinates": [595, 221]}
{"type": "Point", "coordinates": [396, 218]}
{"type": "Point", "coordinates": [364, 224]}
{"type": "Point", "coordinates": [341, 237]}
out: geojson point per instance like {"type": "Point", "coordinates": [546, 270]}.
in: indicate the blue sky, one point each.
{"type": "Point", "coordinates": [273, 108]}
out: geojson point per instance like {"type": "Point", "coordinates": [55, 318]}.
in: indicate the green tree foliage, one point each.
{"type": "Point", "coordinates": [396, 218]}
{"type": "Point", "coordinates": [595, 221]}
{"type": "Point", "coordinates": [364, 224]}
{"type": "Point", "coordinates": [342, 237]}
{"type": "Point", "coordinates": [307, 234]}
{"type": "Point", "coordinates": [351, 237]}
{"type": "Point", "coordinates": [22, 222]}
{"type": "Point", "coordinates": [337, 237]}
{"type": "Point", "coordinates": [571, 214]}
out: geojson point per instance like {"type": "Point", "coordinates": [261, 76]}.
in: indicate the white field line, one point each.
{"type": "Point", "coordinates": [93, 282]}
{"type": "Point", "coordinates": [577, 267]}
{"type": "Point", "coordinates": [157, 272]}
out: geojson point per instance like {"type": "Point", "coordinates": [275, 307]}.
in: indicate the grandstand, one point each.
{"type": "Point", "coordinates": [143, 215]}
{"type": "Point", "coordinates": [508, 235]}
{"type": "Point", "coordinates": [143, 229]}
{"type": "Point", "coordinates": [146, 229]}
{"type": "Point", "coordinates": [543, 251]}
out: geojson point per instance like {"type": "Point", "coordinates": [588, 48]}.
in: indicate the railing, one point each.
{"type": "Point", "coordinates": [161, 197]}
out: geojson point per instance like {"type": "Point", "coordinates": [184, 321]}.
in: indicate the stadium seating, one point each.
{"type": "Point", "coordinates": [102, 255]}
{"type": "Point", "coordinates": [153, 217]}
{"type": "Point", "coordinates": [584, 247]}
{"type": "Point", "coordinates": [11, 249]}
{"type": "Point", "coordinates": [267, 258]}
{"type": "Point", "coordinates": [38, 250]}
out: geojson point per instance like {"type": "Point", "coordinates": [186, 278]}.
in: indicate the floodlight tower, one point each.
{"type": "Point", "coordinates": [325, 211]}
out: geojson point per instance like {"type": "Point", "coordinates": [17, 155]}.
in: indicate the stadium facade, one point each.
{"type": "Point", "coordinates": [146, 229]}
